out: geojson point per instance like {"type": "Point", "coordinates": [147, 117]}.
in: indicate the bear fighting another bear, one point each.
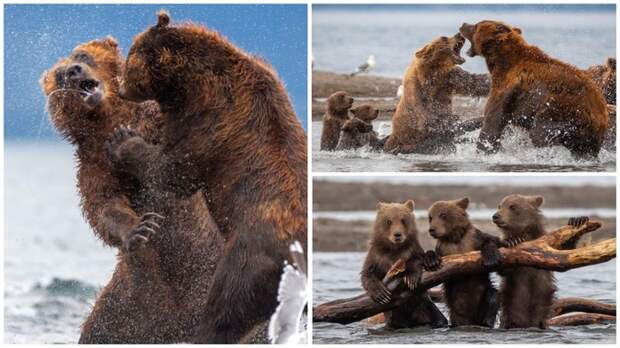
{"type": "Point", "coordinates": [229, 130]}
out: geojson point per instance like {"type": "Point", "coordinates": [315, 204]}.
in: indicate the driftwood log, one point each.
{"type": "Point", "coordinates": [544, 252]}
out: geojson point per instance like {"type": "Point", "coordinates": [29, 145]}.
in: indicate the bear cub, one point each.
{"type": "Point", "coordinates": [338, 105]}
{"type": "Point", "coordinates": [526, 292]}
{"type": "Point", "coordinates": [395, 237]}
{"type": "Point", "coordinates": [358, 132]}
{"type": "Point", "coordinates": [472, 300]}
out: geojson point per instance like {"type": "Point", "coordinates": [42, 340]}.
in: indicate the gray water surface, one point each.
{"type": "Point", "coordinates": [336, 275]}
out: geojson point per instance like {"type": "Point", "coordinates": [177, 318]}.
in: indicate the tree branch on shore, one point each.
{"type": "Point", "coordinates": [544, 252]}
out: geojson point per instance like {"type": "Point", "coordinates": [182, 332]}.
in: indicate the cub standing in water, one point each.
{"type": "Point", "coordinates": [338, 105]}
{"type": "Point", "coordinates": [472, 300]}
{"type": "Point", "coordinates": [395, 237]}
{"type": "Point", "coordinates": [526, 292]}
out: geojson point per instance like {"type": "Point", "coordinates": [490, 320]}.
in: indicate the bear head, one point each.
{"type": "Point", "coordinates": [339, 102]}
{"type": "Point", "coordinates": [79, 85]}
{"type": "Point", "coordinates": [443, 52]}
{"type": "Point", "coordinates": [395, 226]}
{"type": "Point", "coordinates": [448, 220]}
{"type": "Point", "coordinates": [516, 214]}
{"type": "Point", "coordinates": [489, 37]}
{"type": "Point", "coordinates": [366, 113]}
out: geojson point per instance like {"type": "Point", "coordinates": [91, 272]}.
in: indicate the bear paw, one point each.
{"type": "Point", "coordinates": [144, 231]}
{"type": "Point", "coordinates": [578, 221]}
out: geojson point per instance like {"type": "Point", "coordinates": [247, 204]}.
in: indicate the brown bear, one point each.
{"type": "Point", "coordinates": [395, 237]}
{"type": "Point", "coordinates": [357, 131]}
{"type": "Point", "coordinates": [338, 105]}
{"type": "Point", "coordinates": [423, 121]}
{"type": "Point", "coordinates": [526, 293]}
{"type": "Point", "coordinates": [604, 75]}
{"type": "Point", "coordinates": [157, 270]}
{"type": "Point", "coordinates": [230, 131]}
{"type": "Point", "coordinates": [472, 300]}
{"type": "Point", "coordinates": [556, 103]}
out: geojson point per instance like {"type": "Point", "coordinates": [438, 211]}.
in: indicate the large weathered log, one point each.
{"type": "Point", "coordinates": [577, 319]}
{"type": "Point", "coordinates": [543, 253]}
{"type": "Point", "coordinates": [576, 304]}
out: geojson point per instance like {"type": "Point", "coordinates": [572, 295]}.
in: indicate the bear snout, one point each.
{"type": "Point", "coordinates": [433, 232]}
{"type": "Point", "coordinates": [75, 72]}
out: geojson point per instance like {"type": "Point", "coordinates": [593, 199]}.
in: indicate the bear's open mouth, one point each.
{"type": "Point", "coordinates": [89, 86]}
{"type": "Point", "coordinates": [456, 50]}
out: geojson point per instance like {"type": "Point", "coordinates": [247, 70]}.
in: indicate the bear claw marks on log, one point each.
{"type": "Point", "coordinates": [543, 253]}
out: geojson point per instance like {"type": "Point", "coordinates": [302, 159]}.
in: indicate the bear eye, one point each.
{"type": "Point", "coordinates": [403, 221]}
{"type": "Point", "coordinates": [388, 223]}
{"type": "Point", "coordinates": [83, 57]}
{"type": "Point", "coordinates": [443, 216]}
{"type": "Point", "coordinates": [512, 207]}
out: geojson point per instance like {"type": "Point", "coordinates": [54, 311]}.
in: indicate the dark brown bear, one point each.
{"type": "Point", "coordinates": [472, 300]}
{"type": "Point", "coordinates": [526, 293]}
{"type": "Point", "coordinates": [338, 105]}
{"type": "Point", "coordinates": [395, 237]}
{"type": "Point", "coordinates": [355, 133]}
{"type": "Point", "coordinates": [423, 121]}
{"type": "Point", "coordinates": [229, 130]}
{"type": "Point", "coordinates": [151, 277]}
{"type": "Point", "coordinates": [555, 102]}
{"type": "Point", "coordinates": [605, 78]}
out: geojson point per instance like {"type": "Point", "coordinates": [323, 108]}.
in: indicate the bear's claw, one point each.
{"type": "Point", "coordinates": [578, 221]}
{"type": "Point", "coordinates": [143, 232]}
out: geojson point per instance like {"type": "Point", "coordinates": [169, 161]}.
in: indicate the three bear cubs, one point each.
{"type": "Point", "coordinates": [526, 293]}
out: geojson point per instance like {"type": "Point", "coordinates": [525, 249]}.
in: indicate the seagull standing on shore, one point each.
{"type": "Point", "coordinates": [366, 67]}
{"type": "Point", "coordinates": [293, 297]}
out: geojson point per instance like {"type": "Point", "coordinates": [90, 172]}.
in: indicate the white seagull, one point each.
{"type": "Point", "coordinates": [293, 296]}
{"type": "Point", "coordinates": [400, 91]}
{"type": "Point", "coordinates": [366, 67]}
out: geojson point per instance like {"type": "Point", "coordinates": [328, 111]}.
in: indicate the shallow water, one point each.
{"type": "Point", "coordinates": [518, 154]}
{"type": "Point", "coordinates": [336, 275]}
{"type": "Point", "coordinates": [53, 263]}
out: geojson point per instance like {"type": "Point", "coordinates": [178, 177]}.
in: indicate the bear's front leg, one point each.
{"type": "Point", "coordinates": [129, 153]}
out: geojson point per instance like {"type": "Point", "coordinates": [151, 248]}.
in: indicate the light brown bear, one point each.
{"type": "Point", "coordinates": [556, 103]}
{"type": "Point", "coordinates": [395, 237]}
{"type": "Point", "coordinates": [423, 121]}
{"type": "Point", "coordinates": [338, 105]}
{"type": "Point", "coordinates": [164, 265]}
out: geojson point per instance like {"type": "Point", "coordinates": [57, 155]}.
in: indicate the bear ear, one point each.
{"type": "Point", "coordinates": [410, 205]}
{"type": "Point", "coordinates": [462, 203]}
{"type": "Point", "coordinates": [537, 201]}
{"type": "Point", "coordinates": [422, 52]}
{"type": "Point", "coordinates": [163, 19]}
{"type": "Point", "coordinates": [110, 41]}
{"type": "Point", "coordinates": [611, 63]}
{"type": "Point", "coordinates": [380, 205]}
{"type": "Point", "coordinates": [518, 30]}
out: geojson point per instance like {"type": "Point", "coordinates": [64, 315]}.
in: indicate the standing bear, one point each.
{"type": "Point", "coordinates": [423, 121]}
{"type": "Point", "coordinates": [338, 105]}
{"type": "Point", "coordinates": [229, 130]}
{"type": "Point", "coordinates": [394, 238]}
{"type": "Point", "coordinates": [526, 293]}
{"type": "Point", "coordinates": [555, 102]}
{"type": "Point", "coordinates": [164, 264]}
{"type": "Point", "coordinates": [472, 300]}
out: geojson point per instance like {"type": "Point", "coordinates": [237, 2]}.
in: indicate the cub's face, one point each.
{"type": "Point", "coordinates": [89, 74]}
{"type": "Point", "coordinates": [442, 52]}
{"type": "Point", "coordinates": [516, 212]}
{"type": "Point", "coordinates": [448, 218]}
{"type": "Point", "coordinates": [395, 223]}
{"type": "Point", "coordinates": [366, 113]}
{"type": "Point", "coordinates": [355, 126]}
{"type": "Point", "coordinates": [340, 101]}
{"type": "Point", "coordinates": [486, 36]}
